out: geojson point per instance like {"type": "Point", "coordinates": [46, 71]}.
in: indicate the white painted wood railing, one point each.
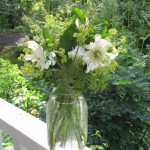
{"type": "Point", "coordinates": [28, 132]}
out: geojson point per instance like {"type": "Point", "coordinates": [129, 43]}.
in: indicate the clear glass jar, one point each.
{"type": "Point", "coordinates": [67, 122]}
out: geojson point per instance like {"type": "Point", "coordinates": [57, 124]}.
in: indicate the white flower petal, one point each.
{"type": "Point", "coordinates": [39, 53]}
{"type": "Point", "coordinates": [97, 38]}
{"type": "Point", "coordinates": [28, 57]}
{"type": "Point", "coordinates": [77, 22]}
{"type": "Point", "coordinates": [115, 52]}
{"type": "Point", "coordinates": [52, 58]}
{"type": "Point", "coordinates": [53, 54]}
{"type": "Point", "coordinates": [87, 21]}
{"type": "Point", "coordinates": [41, 64]}
{"type": "Point", "coordinates": [91, 67]}
{"type": "Point", "coordinates": [32, 45]}
{"type": "Point", "coordinates": [78, 52]}
{"type": "Point", "coordinates": [48, 63]}
{"type": "Point", "coordinates": [34, 59]}
{"type": "Point", "coordinates": [111, 56]}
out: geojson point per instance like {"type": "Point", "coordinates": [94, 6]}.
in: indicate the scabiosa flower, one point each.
{"type": "Point", "coordinates": [97, 55]}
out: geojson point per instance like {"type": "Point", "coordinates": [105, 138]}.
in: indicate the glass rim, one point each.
{"type": "Point", "coordinates": [78, 99]}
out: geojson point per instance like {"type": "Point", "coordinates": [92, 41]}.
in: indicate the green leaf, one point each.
{"type": "Point", "coordinates": [103, 31]}
{"type": "Point", "coordinates": [98, 21]}
{"type": "Point", "coordinates": [48, 38]}
{"type": "Point", "coordinates": [79, 14]}
{"type": "Point", "coordinates": [67, 41]}
{"type": "Point", "coordinates": [104, 28]}
{"type": "Point", "coordinates": [105, 22]}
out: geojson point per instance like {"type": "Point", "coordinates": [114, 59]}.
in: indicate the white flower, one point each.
{"type": "Point", "coordinates": [37, 52]}
{"type": "Point", "coordinates": [37, 55]}
{"type": "Point", "coordinates": [97, 55]}
{"type": "Point", "coordinates": [78, 52]}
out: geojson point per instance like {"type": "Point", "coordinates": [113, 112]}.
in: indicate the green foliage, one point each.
{"type": "Point", "coordinates": [135, 17]}
{"type": "Point", "coordinates": [109, 11]}
{"type": "Point", "coordinates": [29, 101]}
{"type": "Point", "coordinates": [18, 90]}
{"type": "Point", "coordinates": [122, 118]}
{"type": "Point", "coordinates": [67, 41]}
{"type": "Point", "coordinates": [47, 36]}
{"type": "Point", "coordinates": [10, 79]}
{"type": "Point", "coordinates": [11, 12]}
{"type": "Point", "coordinates": [7, 140]}
{"type": "Point", "coordinates": [33, 22]}
{"type": "Point", "coordinates": [79, 14]}
{"type": "Point", "coordinates": [52, 5]}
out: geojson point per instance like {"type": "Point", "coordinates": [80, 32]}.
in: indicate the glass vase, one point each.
{"type": "Point", "coordinates": [67, 116]}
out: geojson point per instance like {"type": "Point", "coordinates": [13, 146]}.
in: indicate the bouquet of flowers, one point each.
{"type": "Point", "coordinates": [75, 54]}
{"type": "Point", "coordinates": [78, 52]}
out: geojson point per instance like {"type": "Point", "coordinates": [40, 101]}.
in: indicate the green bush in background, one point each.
{"type": "Point", "coordinates": [10, 79]}
{"type": "Point", "coordinates": [11, 12]}
{"type": "Point", "coordinates": [20, 90]}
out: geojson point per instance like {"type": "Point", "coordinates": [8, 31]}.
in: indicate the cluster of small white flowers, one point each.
{"type": "Point", "coordinates": [96, 55]}
{"type": "Point", "coordinates": [39, 57]}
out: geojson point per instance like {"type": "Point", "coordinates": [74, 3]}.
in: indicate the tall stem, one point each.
{"type": "Point", "coordinates": [76, 54]}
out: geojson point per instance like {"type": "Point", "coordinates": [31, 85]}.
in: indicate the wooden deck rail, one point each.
{"type": "Point", "coordinates": [28, 132]}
